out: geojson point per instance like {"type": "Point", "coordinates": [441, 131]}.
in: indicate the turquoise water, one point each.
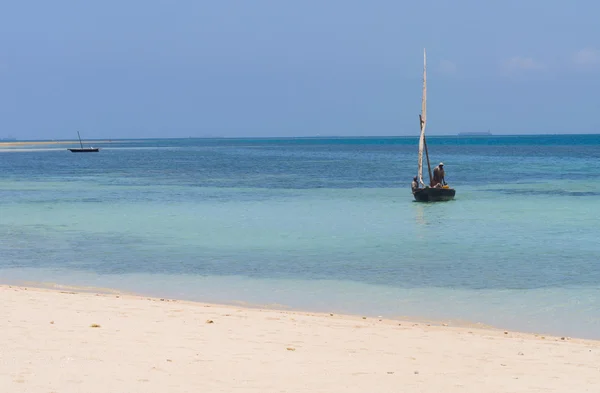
{"type": "Point", "coordinates": [318, 224]}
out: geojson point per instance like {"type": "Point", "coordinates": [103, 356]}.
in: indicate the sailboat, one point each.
{"type": "Point", "coordinates": [83, 149]}
{"type": "Point", "coordinates": [428, 193]}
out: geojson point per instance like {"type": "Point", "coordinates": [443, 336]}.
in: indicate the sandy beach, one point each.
{"type": "Point", "coordinates": [64, 341]}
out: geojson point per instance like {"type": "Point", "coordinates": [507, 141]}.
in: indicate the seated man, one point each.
{"type": "Point", "coordinates": [414, 185]}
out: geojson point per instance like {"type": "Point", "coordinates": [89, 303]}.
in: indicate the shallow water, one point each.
{"type": "Point", "coordinates": [319, 224]}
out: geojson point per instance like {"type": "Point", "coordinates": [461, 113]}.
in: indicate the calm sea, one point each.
{"type": "Point", "coordinates": [323, 224]}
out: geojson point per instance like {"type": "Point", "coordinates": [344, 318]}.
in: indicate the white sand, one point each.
{"type": "Point", "coordinates": [146, 345]}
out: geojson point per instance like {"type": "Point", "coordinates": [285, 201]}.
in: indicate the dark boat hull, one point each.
{"type": "Point", "coordinates": [84, 150]}
{"type": "Point", "coordinates": [434, 194]}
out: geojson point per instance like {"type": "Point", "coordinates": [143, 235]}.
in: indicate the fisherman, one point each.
{"type": "Point", "coordinates": [414, 185]}
{"type": "Point", "coordinates": [438, 176]}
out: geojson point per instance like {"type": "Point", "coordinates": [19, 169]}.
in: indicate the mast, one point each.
{"type": "Point", "coordinates": [423, 119]}
{"type": "Point", "coordinates": [428, 165]}
{"type": "Point", "coordinates": [80, 139]}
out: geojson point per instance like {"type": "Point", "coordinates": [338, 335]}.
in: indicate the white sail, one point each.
{"type": "Point", "coordinates": [423, 119]}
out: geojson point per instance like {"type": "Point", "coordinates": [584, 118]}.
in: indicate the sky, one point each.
{"type": "Point", "coordinates": [157, 68]}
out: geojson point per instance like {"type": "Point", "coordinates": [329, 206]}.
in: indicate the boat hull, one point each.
{"type": "Point", "coordinates": [85, 150]}
{"type": "Point", "coordinates": [434, 194]}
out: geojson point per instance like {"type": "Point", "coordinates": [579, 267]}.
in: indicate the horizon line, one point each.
{"type": "Point", "coordinates": [8, 140]}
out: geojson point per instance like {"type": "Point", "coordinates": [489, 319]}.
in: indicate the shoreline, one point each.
{"type": "Point", "coordinates": [42, 143]}
{"type": "Point", "coordinates": [61, 340]}
{"type": "Point", "coordinates": [53, 287]}
{"type": "Point", "coordinates": [280, 308]}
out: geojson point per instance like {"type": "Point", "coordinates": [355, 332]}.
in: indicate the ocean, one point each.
{"type": "Point", "coordinates": [318, 224]}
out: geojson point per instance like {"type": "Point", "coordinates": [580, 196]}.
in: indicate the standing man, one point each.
{"type": "Point", "coordinates": [438, 176]}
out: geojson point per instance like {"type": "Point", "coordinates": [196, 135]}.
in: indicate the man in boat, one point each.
{"type": "Point", "coordinates": [438, 176]}
{"type": "Point", "coordinates": [414, 185]}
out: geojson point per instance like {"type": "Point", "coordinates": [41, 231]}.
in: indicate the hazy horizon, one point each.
{"type": "Point", "coordinates": [8, 139]}
{"type": "Point", "coordinates": [152, 69]}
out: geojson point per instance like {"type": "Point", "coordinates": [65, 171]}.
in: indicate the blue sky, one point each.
{"type": "Point", "coordinates": [154, 68]}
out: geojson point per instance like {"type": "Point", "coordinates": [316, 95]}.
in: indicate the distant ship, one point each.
{"type": "Point", "coordinates": [486, 133]}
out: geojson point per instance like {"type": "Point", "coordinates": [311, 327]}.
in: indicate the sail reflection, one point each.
{"type": "Point", "coordinates": [420, 218]}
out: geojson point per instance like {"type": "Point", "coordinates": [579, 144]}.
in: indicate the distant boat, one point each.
{"type": "Point", "coordinates": [484, 133]}
{"type": "Point", "coordinates": [83, 149]}
{"type": "Point", "coordinates": [428, 193]}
